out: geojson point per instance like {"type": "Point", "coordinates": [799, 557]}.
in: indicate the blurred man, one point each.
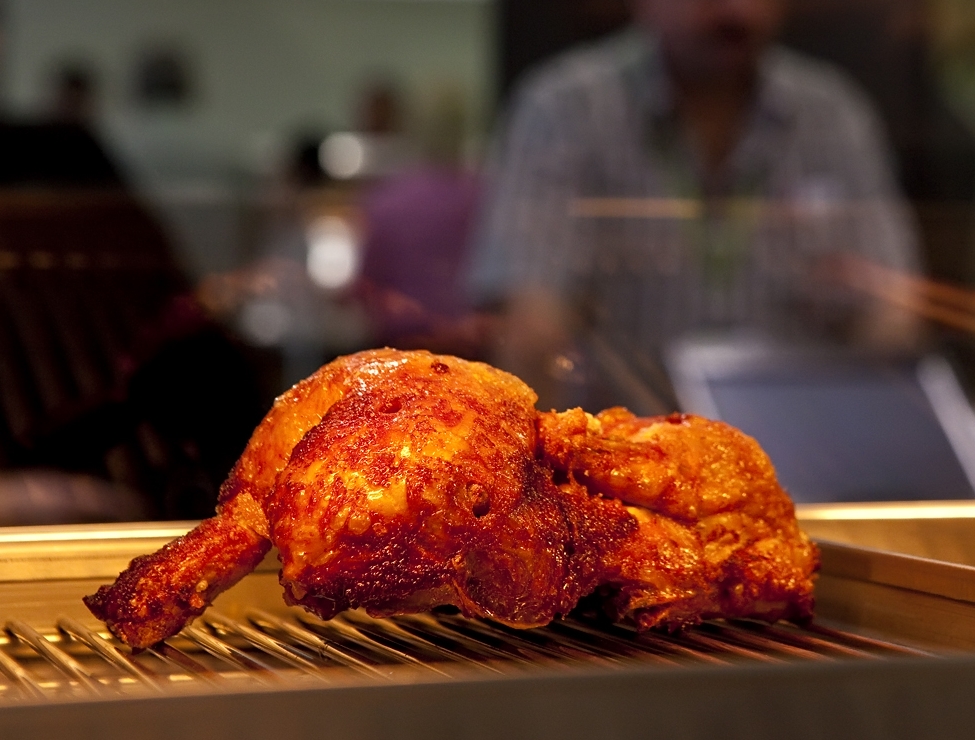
{"type": "Point", "coordinates": [686, 176]}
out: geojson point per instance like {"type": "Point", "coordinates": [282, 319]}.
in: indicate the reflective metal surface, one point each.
{"type": "Point", "coordinates": [938, 530]}
{"type": "Point", "coordinates": [250, 661]}
{"type": "Point", "coordinates": [301, 652]}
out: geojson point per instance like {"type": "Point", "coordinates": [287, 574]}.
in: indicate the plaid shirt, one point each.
{"type": "Point", "coordinates": [596, 196]}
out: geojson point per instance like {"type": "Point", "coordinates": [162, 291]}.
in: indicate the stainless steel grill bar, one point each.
{"type": "Point", "coordinates": [672, 646]}
{"type": "Point", "coordinates": [436, 628]}
{"type": "Point", "coordinates": [725, 646]}
{"type": "Point", "coordinates": [423, 642]}
{"type": "Point", "coordinates": [183, 662]}
{"type": "Point", "coordinates": [21, 679]}
{"type": "Point", "coordinates": [61, 660]}
{"type": "Point", "coordinates": [761, 643]}
{"type": "Point", "coordinates": [802, 639]}
{"type": "Point", "coordinates": [483, 634]}
{"type": "Point", "coordinates": [310, 640]}
{"type": "Point", "coordinates": [219, 649]}
{"type": "Point", "coordinates": [524, 648]}
{"type": "Point", "coordinates": [351, 633]}
{"type": "Point", "coordinates": [867, 642]}
{"type": "Point", "coordinates": [568, 647]}
{"type": "Point", "coordinates": [263, 642]}
{"type": "Point", "coordinates": [632, 649]}
{"type": "Point", "coordinates": [263, 647]}
{"type": "Point", "coordinates": [109, 652]}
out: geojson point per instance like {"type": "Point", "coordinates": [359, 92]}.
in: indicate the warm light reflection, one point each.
{"type": "Point", "coordinates": [880, 511]}
{"type": "Point", "coordinates": [343, 156]}
{"type": "Point", "coordinates": [266, 322]}
{"type": "Point", "coordinates": [815, 204]}
{"type": "Point", "coordinates": [91, 532]}
{"type": "Point", "coordinates": [333, 253]}
{"type": "Point", "coordinates": [929, 299]}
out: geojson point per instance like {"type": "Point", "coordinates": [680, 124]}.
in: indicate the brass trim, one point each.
{"type": "Point", "coordinates": [887, 511]}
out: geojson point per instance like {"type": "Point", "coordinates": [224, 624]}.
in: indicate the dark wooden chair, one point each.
{"type": "Point", "coordinates": [107, 365]}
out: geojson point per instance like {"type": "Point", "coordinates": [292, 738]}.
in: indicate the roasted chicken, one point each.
{"type": "Point", "coordinates": [400, 481]}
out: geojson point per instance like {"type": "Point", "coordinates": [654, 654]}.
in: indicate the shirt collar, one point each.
{"type": "Point", "coordinates": [653, 90]}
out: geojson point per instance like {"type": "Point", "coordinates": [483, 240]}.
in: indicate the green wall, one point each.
{"type": "Point", "coordinates": [262, 67]}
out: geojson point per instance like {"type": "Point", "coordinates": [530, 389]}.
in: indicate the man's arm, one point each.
{"type": "Point", "coordinates": [884, 230]}
{"type": "Point", "coordinates": [844, 147]}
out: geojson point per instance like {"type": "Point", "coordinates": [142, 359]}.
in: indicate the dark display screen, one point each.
{"type": "Point", "coordinates": [846, 437]}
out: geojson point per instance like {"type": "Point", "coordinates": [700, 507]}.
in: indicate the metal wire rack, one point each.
{"type": "Point", "coordinates": [262, 649]}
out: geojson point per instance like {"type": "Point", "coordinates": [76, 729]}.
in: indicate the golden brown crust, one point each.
{"type": "Point", "coordinates": [155, 596]}
{"type": "Point", "coordinates": [718, 535]}
{"type": "Point", "coordinates": [158, 594]}
{"type": "Point", "coordinates": [399, 481]}
{"type": "Point", "coordinates": [293, 414]}
{"type": "Point", "coordinates": [420, 489]}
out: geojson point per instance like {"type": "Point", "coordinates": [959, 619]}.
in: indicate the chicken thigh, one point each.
{"type": "Point", "coordinates": [707, 502]}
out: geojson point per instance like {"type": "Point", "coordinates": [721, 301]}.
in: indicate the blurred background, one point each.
{"type": "Point", "coordinates": [201, 203]}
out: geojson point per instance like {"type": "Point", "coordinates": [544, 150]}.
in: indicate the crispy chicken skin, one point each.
{"type": "Point", "coordinates": [400, 481]}
{"type": "Point", "coordinates": [424, 490]}
{"type": "Point", "coordinates": [711, 515]}
{"type": "Point", "coordinates": [160, 593]}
